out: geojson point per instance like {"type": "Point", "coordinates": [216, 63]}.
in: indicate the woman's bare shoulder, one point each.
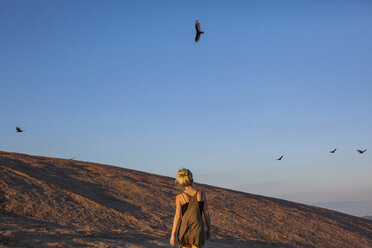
{"type": "Point", "coordinates": [178, 198]}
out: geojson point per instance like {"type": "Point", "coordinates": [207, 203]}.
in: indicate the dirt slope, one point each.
{"type": "Point", "coordinates": [50, 202]}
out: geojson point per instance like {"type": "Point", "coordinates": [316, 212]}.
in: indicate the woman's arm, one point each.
{"type": "Point", "coordinates": [207, 218]}
{"type": "Point", "coordinates": [176, 220]}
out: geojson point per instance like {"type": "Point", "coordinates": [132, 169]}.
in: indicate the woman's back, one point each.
{"type": "Point", "coordinates": [185, 198]}
{"type": "Point", "coordinates": [191, 228]}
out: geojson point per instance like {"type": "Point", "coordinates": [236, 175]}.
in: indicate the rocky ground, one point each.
{"type": "Point", "coordinates": [50, 202]}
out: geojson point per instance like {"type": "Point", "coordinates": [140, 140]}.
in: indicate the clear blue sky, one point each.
{"type": "Point", "coordinates": [123, 83]}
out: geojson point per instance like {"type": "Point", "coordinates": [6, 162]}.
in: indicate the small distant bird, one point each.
{"type": "Point", "coordinates": [280, 158]}
{"type": "Point", "coordinates": [19, 130]}
{"type": "Point", "coordinates": [198, 31]}
{"type": "Point", "coordinates": [360, 151]}
{"type": "Point", "coordinates": [333, 151]}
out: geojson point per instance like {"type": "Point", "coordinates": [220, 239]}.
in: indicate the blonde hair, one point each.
{"type": "Point", "coordinates": [184, 177]}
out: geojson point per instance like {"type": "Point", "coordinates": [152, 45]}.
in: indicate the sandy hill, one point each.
{"type": "Point", "coordinates": [50, 202]}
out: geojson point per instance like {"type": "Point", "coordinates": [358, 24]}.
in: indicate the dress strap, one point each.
{"type": "Point", "coordinates": [196, 195]}
{"type": "Point", "coordinates": [190, 196]}
{"type": "Point", "coordinates": [183, 197]}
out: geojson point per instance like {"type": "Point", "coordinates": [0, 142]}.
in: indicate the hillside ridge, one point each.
{"type": "Point", "coordinates": [47, 201]}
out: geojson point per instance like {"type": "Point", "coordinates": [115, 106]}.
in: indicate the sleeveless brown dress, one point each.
{"type": "Point", "coordinates": [191, 228]}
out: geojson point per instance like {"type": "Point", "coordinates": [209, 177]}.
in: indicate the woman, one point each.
{"type": "Point", "coordinates": [191, 205]}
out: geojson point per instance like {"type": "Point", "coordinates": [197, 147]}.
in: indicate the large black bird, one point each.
{"type": "Point", "coordinates": [19, 130]}
{"type": "Point", "coordinates": [280, 158]}
{"type": "Point", "coordinates": [198, 31]}
{"type": "Point", "coordinates": [333, 151]}
{"type": "Point", "coordinates": [360, 151]}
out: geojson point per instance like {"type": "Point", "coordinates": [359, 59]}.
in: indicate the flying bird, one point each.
{"type": "Point", "coordinates": [280, 158]}
{"type": "Point", "coordinates": [333, 151]}
{"type": "Point", "coordinates": [360, 151]}
{"type": "Point", "coordinates": [198, 31]}
{"type": "Point", "coordinates": [19, 130]}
